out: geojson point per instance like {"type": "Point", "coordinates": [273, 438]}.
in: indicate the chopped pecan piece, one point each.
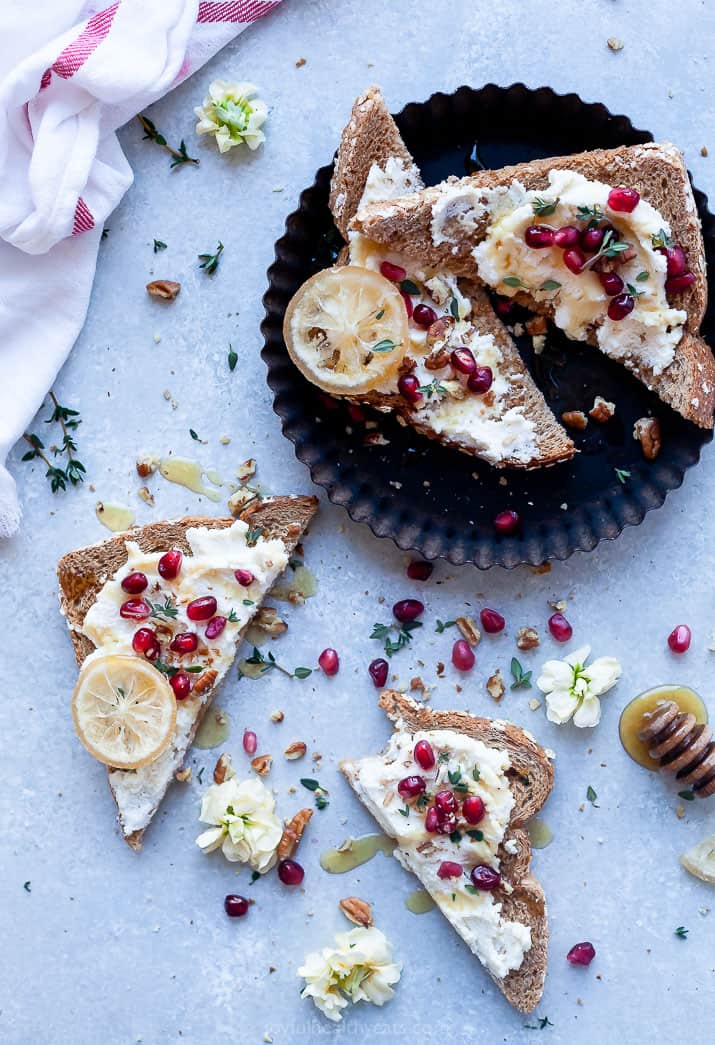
{"type": "Point", "coordinates": [147, 464]}
{"type": "Point", "coordinates": [165, 289]}
{"type": "Point", "coordinates": [268, 619]}
{"type": "Point", "coordinates": [183, 775]}
{"type": "Point", "coordinates": [295, 750]}
{"type": "Point", "coordinates": [647, 431]}
{"type": "Point", "coordinates": [468, 630]}
{"type": "Point", "coordinates": [536, 325]}
{"type": "Point", "coordinates": [574, 419]}
{"type": "Point", "coordinates": [527, 638]}
{"type": "Point", "coordinates": [239, 499]}
{"type": "Point", "coordinates": [292, 834]}
{"type": "Point", "coordinates": [495, 686]}
{"type": "Point", "coordinates": [205, 681]}
{"type": "Point", "coordinates": [602, 410]}
{"type": "Point", "coordinates": [357, 911]}
{"type": "Point", "coordinates": [223, 770]}
{"type": "Point", "coordinates": [261, 764]}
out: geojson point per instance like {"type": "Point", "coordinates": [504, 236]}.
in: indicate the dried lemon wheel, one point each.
{"type": "Point", "coordinates": [346, 329]}
{"type": "Point", "coordinates": [124, 710]}
{"type": "Point", "coordinates": [700, 859]}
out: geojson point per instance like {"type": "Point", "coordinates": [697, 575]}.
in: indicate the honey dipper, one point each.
{"type": "Point", "coordinates": [681, 745]}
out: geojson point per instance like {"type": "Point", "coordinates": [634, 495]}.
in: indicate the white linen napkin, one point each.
{"type": "Point", "coordinates": [71, 73]}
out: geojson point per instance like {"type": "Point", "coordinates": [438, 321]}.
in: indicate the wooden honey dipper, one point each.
{"type": "Point", "coordinates": [681, 745]}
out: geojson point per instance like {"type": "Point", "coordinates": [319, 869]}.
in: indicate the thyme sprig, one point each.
{"type": "Point", "coordinates": [209, 262]}
{"type": "Point", "coordinates": [270, 662]}
{"type": "Point", "coordinates": [74, 471]}
{"type": "Point", "coordinates": [179, 156]}
{"type": "Point", "coordinates": [404, 635]}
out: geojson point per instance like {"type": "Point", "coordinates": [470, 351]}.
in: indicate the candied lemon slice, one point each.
{"type": "Point", "coordinates": [124, 710]}
{"type": "Point", "coordinates": [700, 859]}
{"type": "Point", "coordinates": [346, 329]}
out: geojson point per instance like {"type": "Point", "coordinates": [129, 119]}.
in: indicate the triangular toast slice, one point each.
{"type": "Point", "coordinates": [442, 226]}
{"type": "Point", "coordinates": [83, 575]}
{"type": "Point", "coordinates": [507, 928]}
{"type": "Point", "coordinates": [514, 429]}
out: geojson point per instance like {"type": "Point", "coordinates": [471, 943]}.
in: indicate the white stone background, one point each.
{"type": "Point", "coordinates": [110, 946]}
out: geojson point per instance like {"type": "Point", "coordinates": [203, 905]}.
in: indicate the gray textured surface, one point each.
{"type": "Point", "coordinates": [122, 948]}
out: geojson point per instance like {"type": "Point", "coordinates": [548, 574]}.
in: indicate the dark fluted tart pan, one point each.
{"type": "Point", "coordinates": [423, 496]}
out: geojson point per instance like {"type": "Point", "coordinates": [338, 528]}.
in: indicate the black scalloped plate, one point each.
{"type": "Point", "coordinates": [428, 498]}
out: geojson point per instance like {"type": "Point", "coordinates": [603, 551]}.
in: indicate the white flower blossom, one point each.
{"type": "Point", "coordinates": [572, 687]}
{"type": "Point", "coordinates": [246, 827]}
{"type": "Point", "coordinates": [359, 967]}
{"type": "Point", "coordinates": [232, 115]}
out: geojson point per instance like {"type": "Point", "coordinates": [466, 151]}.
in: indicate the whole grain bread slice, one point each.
{"type": "Point", "coordinates": [82, 574]}
{"type": "Point", "coordinates": [656, 170]}
{"type": "Point", "coordinates": [530, 780]}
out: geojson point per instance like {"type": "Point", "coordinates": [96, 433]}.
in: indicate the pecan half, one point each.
{"type": "Point", "coordinates": [261, 764]}
{"type": "Point", "coordinates": [357, 911]}
{"type": "Point", "coordinates": [147, 464]}
{"type": "Point", "coordinates": [647, 431]}
{"type": "Point", "coordinates": [183, 775]}
{"type": "Point", "coordinates": [468, 630]}
{"type": "Point", "coordinates": [295, 750]}
{"type": "Point", "coordinates": [574, 419]}
{"type": "Point", "coordinates": [223, 770]}
{"type": "Point", "coordinates": [527, 638]}
{"type": "Point", "coordinates": [495, 686]}
{"type": "Point", "coordinates": [205, 681]}
{"type": "Point", "coordinates": [292, 834]}
{"type": "Point", "coordinates": [239, 499]}
{"type": "Point", "coordinates": [602, 410]}
{"type": "Point", "coordinates": [165, 289]}
{"type": "Point", "coordinates": [268, 619]}
{"type": "Point", "coordinates": [536, 325]}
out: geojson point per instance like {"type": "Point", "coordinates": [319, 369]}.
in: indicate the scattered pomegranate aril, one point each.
{"type": "Point", "coordinates": [492, 622]}
{"type": "Point", "coordinates": [473, 809]}
{"type": "Point", "coordinates": [446, 823]}
{"type": "Point", "coordinates": [329, 661]}
{"type": "Point", "coordinates": [677, 284]}
{"type": "Point", "coordinates": [481, 380]}
{"type": "Point", "coordinates": [244, 577]}
{"type": "Point", "coordinates": [560, 627]}
{"type": "Point", "coordinates": [445, 802]}
{"type": "Point", "coordinates": [215, 626]}
{"type": "Point", "coordinates": [676, 259]}
{"type": "Point", "coordinates": [574, 260]}
{"type": "Point", "coordinates": [409, 307]}
{"type": "Point", "coordinates": [134, 609]}
{"type": "Point", "coordinates": [250, 742]}
{"type": "Point", "coordinates": [424, 316]}
{"type": "Point", "coordinates": [485, 877]}
{"type": "Point", "coordinates": [145, 641]}
{"type": "Point", "coordinates": [507, 522]}
{"type": "Point", "coordinates": [395, 273]}
{"type": "Point", "coordinates": [424, 755]}
{"type": "Point", "coordinates": [290, 872]}
{"type": "Point", "coordinates": [135, 583]}
{"type": "Point", "coordinates": [170, 564]}
{"type": "Point", "coordinates": [503, 306]}
{"type": "Point", "coordinates": [679, 638]}
{"type": "Point", "coordinates": [581, 954]}
{"type": "Point", "coordinates": [420, 570]}
{"type": "Point", "coordinates": [432, 820]}
{"type": "Point", "coordinates": [463, 361]}
{"type": "Point", "coordinates": [184, 642]}
{"type": "Point", "coordinates": [356, 413]}
{"type": "Point", "coordinates": [407, 610]}
{"type": "Point", "coordinates": [539, 236]}
{"type": "Point", "coordinates": [620, 306]}
{"type": "Point", "coordinates": [411, 786]}
{"type": "Point", "coordinates": [611, 283]}
{"type": "Point", "coordinates": [623, 200]}
{"type": "Point", "coordinates": [592, 238]}
{"type": "Point", "coordinates": [235, 906]}
{"type": "Point", "coordinates": [449, 869]}
{"type": "Point", "coordinates": [567, 236]}
{"type": "Point", "coordinates": [409, 387]}
{"type": "Point", "coordinates": [201, 609]}
{"type": "Point", "coordinates": [463, 655]}
{"type": "Point", "coordinates": [181, 684]}
{"type": "Point", "coordinates": [378, 670]}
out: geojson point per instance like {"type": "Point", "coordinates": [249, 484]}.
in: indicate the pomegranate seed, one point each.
{"type": "Point", "coordinates": [503, 306]}
{"type": "Point", "coordinates": [492, 622]}
{"type": "Point", "coordinates": [409, 387]}
{"type": "Point", "coordinates": [356, 413]}
{"type": "Point", "coordinates": [621, 306]}
{"type": "Point", "coordinates": [446, 823]}
{"type": "Point", "coordinates": [411, 786]}
{"type": "Point", "coordinates": [419, 570]}
{"type": "Point", "coordinates": [445, 802]}
{"type": "Point", "coordinates": [329, 661]}
{"type": "Point", "coordinates": [449, 869]}
{"type": "Point", "coordinates": [473, 809]}
{"type": "Point", "coordinates": [170, 564]}
{"type": "Point", "coordinates": [679, 638]}
{"type": "Point", "coordinates": [201, 609]}
{"type": "Point", "coordinates": [395, 273]}
{"type": "Point", "coordinates": [215, 626]}
{"type": "Point", "coordinates": [235, 906]}
{"type": "Point", "coordinates": [134, 609]}
{"type": "Point", "coordinates": [181, 684]}
{"type": "Point", "coordinates": [623, 200]}
{"type": "Point", "coordinates": [481, 380]}
{"type": "Point", "coordinates": [676, 259]}
{"type": "Point", "coordinates": [462, 655]}
{"type": "Point", "coordinates": [676, 284]}
{"type": "Point", "coordinates": [184, 642]}
{"type": "Point", "coordinates": [407, 610]}
{"type": "Point", "coordinates": [485, 877]}
{"type": "Point", "coordinates": [424, 316]}
{"type": "Point", "coordinates": [581, 954]}
{"type": "Point", "coordinates": [568, 236]}
{"type": "Point", "coordinates": [250, 742]}
{"type": "Point", "coordinates": [507, 522]}
{"type": "Point", "coordinates": [409, 307]}
{"type": "Point", "coordinates": [560, 627]}
{"type": "Point", "coordinates": [611, 283]}
{"type": "Point", "coordinates": [244, 577]}
{"type": "Point", "coordinates": [574, 260]}
{"type": "Point", "coordinates": [378, 671]}
{"type": "Point", "coordinates": [135, 583]}
{"type": "Point", "coordinates": [592, 238]}
{"type": "Point", "coordinates": [432, 820]}
{"type": "Point", "coordinates": [539, 236]}
{"type": "Point", "coordinates": [290, 872]}
{"type": "Point", "coordinates": [463, 361]}
{"type": "Point", "coordinates": [424, 755]}
{"type": "Point", "coordinates": [146, 642]}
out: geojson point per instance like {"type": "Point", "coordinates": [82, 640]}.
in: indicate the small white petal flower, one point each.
{"type": "Point", "coordinates": [359, 967]}
{"type": "Point", "coordinates": [232, 115]}
{"type": "Point", "coordinates": [572, 686]}
{"type": "Point", "coordinates": [246, 827]}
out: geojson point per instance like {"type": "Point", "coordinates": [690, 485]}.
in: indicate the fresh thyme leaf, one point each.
{"type": "Point", "coordinates": [209, 262]}
{"type": "Point", "coordinates": [444, 756]}
{"type": "Point", "coordinates": [456, 837]}
{"type": "Point", "coordinates": [514, 281]}
{"type": "Point", "coordinates": [622, 474]}
{"type": "Point", "coordinates": [549, 284]}
{"type": "Point", "coordinates": [455, 775]}
{"type": "Point", "coordinates": [454, 308]}
{"type": "Point", "coordinates": [380, 631]}
{"type": "Point", "coordinates": [476, 834]}
{"type": "Point", "coordinates": [590, 214]}
{"type": "Point", "coordinates": [462, 787]}
{"type": "Point", "coordinates": [27, 886]}
{"type": "Point", "coordinates": [232, 358]}
{"type": "Point", "coordinates": [105, 232]}
{"type": "Point", "coordinates": [661, 241]}
{"type": "Point", "coordinates": [253, 535]}
{"type": "Point", "coordinates": [408, 287]}
{"type": "Point", "coordinates": [310, 785]}
{"type": "Point", "coordinates": [687, 796]}
{"type": "Point", "coordinates": [302, 673]}
{"type": "Point", "coordinates": [232, 616]}
{"type": "Point", "coordinates": [183, 156]}
{"type": "Point", "coordinates": [74, 473]}
{"type": "Point", "coordinates": [592, 796]}
{"type": "Point", "coordinates": [541, 1024]}
{"type": "Point", "coordinates": [544, 208]}
{"type": "Point", "coordinates": [194, 436]}
{"type": "Point", "coordinates": [168, 610]}
{"type": "Point", "coordinates": [179, 156]}
{"type": "Point", "coordinates": [634, 291]}
{"type": "Point", "coordinates": [200, 775]}
{"type": "Point", "coordinates": [386, 345]}
{"type": "Point", "coordinates": [471, 888]}
{"type": "Point", "coordinates": [247, 602]}
{"type": "Point", "coordinates": [380, 314]}
{"type": "Point", "coordinates": [320, 793]}
{"type": "Point", "coordinates": [159, 245]}
{"type": "Point", "coordinates": [195, 669]}
{"type": "Point", "coordinates": [422, 800]}
{"type": "Point", "coordinates": [522, 679]}
{"type": "Point", "coordinates": [404, 635]}
{"type": "Point", "coordinates": [405, 811]}
{"type": "Point", "coordinates": [682, 932]}
{"type": "Point", "coordinates": [476, 774]}
{"type": "Point", "coordinates": [442, 624]}
{"type": "Point", "coordinates": [255, 875]}
{"type": "Point", "coordinates": [321, 801]}
{"type": "Point", "coordinates": [165, 669]}
{"type": "Point", "coordinates": [435, 386]}
{"type": "Point", "coordinates": [642, 276]}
